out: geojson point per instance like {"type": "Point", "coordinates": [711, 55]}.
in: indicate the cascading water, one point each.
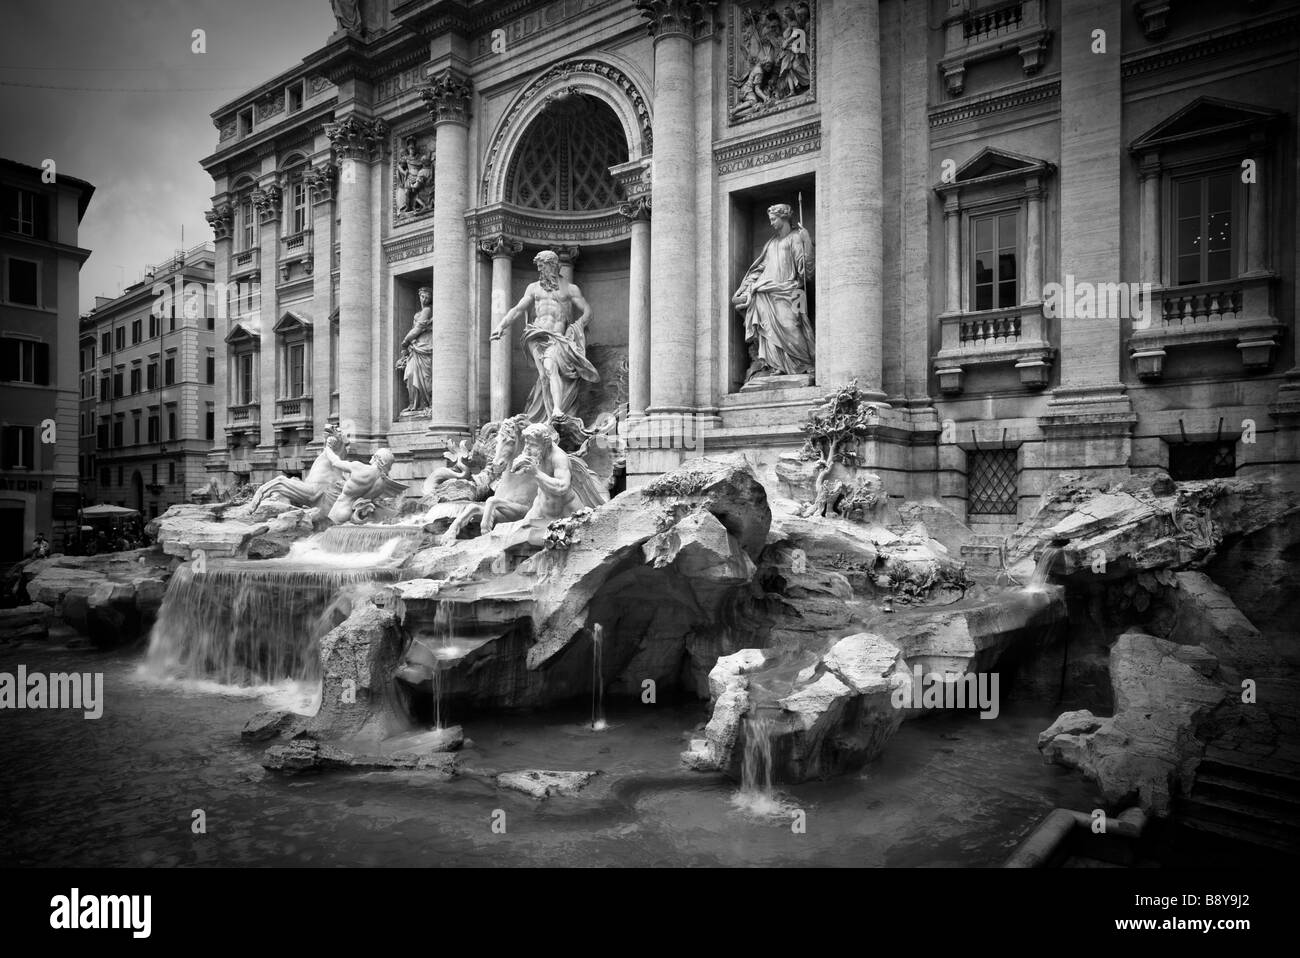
{"type": "Point", "coordinates": [756, 796]}
{"type": "Point", "coordinates": [597, 678]}
{"type": "Point", "coordinates": [1038, 581]}
{"type": "Point", "coordinates": [242, 622]}
{"type": "Point", "coordinates": [354, 538]}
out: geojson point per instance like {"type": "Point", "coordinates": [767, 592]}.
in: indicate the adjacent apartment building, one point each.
{"type": "Point", "coordinates": [40, 264]}
{"type": "Point", "coordinates": [146, 385]}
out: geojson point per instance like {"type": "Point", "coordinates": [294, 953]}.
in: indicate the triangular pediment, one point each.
{"type": "Point", "coordinates": [993, 162]}
{"type": "Point", "coordinates": [240, 333]}
{"type": "Point", "coordinates": [292, 320]}
{"type": "Point", "coordinates": [1202, 117]}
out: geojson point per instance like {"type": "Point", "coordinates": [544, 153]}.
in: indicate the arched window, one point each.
{"type": "Point", "coordinates": [563, 163]}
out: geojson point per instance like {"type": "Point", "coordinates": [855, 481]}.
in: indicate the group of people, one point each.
{"type": "Point", "coordinates": [776, 48]}
{"type": "Point", "coordinates": [120, 538]}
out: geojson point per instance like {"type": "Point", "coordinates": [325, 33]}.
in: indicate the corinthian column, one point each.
{"type": "Point", "coordinates": [673, 284]}
{"type": "Point", "coordinates": [638, 306]}
{"type": "Point", "coordinates": [355, 141]}
{"type": "Point", "coordinates": [447, 98]}
{"type": "Point", "coordinates": [502, 249]}
{"type": "Point", "coordinates": [850, 323]}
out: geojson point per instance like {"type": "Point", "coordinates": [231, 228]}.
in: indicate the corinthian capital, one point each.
{"type": "Point", "coordinates": [321, 180]}
{"type": "Point", "coordinates": [356, 138]}
{"type": "Point", "coordinates": [676, 17]}
{"type": "Point", "coordinates": [267, 203]}
{"type": "Point", "coordinates": [447, 97]}
{"type": "Point", "coordinates": [500, 245]}
{"type": "Point", "coordinates": [220, 219]}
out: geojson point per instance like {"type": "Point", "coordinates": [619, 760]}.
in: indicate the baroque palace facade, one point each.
{"type": "Point", "coordinates": [1049, 235]}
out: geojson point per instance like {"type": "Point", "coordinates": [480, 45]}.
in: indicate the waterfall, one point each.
{"type": "Point", "coordinates": [251, 622]}
{"type": "Point", "coordinates": [597, 677]}
{"type": "Point", "coordinates": [1046, 560]}
{"type": "Point", "coordinates": [353, 538]}
{"type": "Point", "coordinates": [756, 770]}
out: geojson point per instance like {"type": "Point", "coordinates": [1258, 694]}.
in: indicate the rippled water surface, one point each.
{"type": "Point", "coordinates": [950, 790]}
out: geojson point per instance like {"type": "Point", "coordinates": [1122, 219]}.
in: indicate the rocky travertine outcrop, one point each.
{"type": "Point", "coordinates": [31, 621]}
{"type": "Point", "coordinates": [1145, 522]}
{"type": "Point", "coordinates": [1165, 704]}
{"type": "Point", "coordinates": [112, 598]}
{"type": "Point", "coordinates": [537, 783]}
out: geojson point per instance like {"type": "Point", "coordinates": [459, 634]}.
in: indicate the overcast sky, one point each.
{"type": "Point", "coordinates": [110, 90]}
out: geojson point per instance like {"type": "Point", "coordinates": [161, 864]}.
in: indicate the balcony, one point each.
{"type": "Point", "coordinates": [1237, 311]}
{"type": "Point", "coordinates": [246, 264]}
{"type": "Point", "coordinates": [292, 413]}
{"type": "Point", "coordinates": [244, 418]}
{"type": "Point", "coordinates": [1019, 27]}
{"type": "Point", "coordinates": [296, 248]}
{"type": "Point", "coordinates": [1015, 335]}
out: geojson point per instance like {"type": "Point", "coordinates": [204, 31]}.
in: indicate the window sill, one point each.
{"type": "Point", "coordinates": [990, 337]}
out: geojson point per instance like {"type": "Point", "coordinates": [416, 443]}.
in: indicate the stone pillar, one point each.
{"type": "Point", "coordinates": [502, 249]}
{"type": "Point", "coordinates": [674, 283]}
{"type": "Point", "coordinates": [355, 141]}
{"type": "Point", "coordinates": [322, 182]}
{"type": "Point", "coordinates": [850, 318]}
{"type": "Point", "coordinates": [1256, 216]}
{"type": "Point", "coordinates": [638, 307]}
{"type": "Point", "coordinates": [221, 219]}
{"type": "Point", "coordinates": [1149, 219]}
{"type": "Point", "coordinates": [1033, 285]}
{"type": "Point", "coordinates": [447, 98]}
{"type": "Point", "coordinates": [952, 233]}
{"type": "Point", "coordinates": [266, 202]}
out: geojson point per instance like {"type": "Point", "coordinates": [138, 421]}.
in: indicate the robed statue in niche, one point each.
{"type": "Point", "coordinates": [416, 361]}
{"type": "Point", "coordinates": [773, 299]}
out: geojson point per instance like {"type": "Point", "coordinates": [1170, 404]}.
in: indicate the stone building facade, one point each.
{"type": "Point", "coordinates": [1049, 237]}
{"type": "Point", "coordinates": [148, 367]}
{"type": "Point", "coordinates": [40, 266]}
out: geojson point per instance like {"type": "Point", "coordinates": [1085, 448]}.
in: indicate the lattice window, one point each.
{"type": "Point", "coordinates": [563, 163]}
{"type": "Point", "coordinates": [991, 482]}
{"type": "Point", "coordinates": [1202, 460]}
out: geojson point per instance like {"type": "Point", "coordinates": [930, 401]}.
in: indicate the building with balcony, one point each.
{"type": "Point", "coordinates": [40, 266]}
{"type": "Point", "coordinates": [148, 386]}
{"type": "Point", "coordinates": [1049, 237]}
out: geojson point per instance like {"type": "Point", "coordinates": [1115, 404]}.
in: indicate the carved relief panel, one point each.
{"type": "Point", "coordinates": [412, 176]}
{"type": "Point", "coordinates": [771, 59]}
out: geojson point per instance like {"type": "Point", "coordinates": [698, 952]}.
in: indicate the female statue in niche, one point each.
{"type": "Point", "coordinates": [416, 361]}
{"type": "Point", "coordinates": [774, 300]}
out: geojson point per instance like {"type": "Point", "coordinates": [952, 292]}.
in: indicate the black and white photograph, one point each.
{"type": "Point", "coordinates": [650, 434]}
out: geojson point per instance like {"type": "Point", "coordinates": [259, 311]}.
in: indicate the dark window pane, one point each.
{"type": "Point", "coordinates": [1218, 267]}
{"type": "Point", "coordinates": [1219, 231]}
{"type": "Point", "coordinates": [1007, 266]}
{"type": "Point", "coordinates": [1188, 197]}
{"type": "Point", "coordinates": [983, 234]}
{"type": "Point", "coordinates": [1189, 237]}
{"type": "Point", "coordinates": [22, 282]}
{"type": "Point", "coordinates": [1189, 269]}
{"type": "Point", "coordinates": [1220, 193]}
{"type": "Point", "coordinates": [1007, 293]}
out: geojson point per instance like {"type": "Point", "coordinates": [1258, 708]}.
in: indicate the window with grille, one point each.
{"type": "Point", "coordinates": [563, 163]}
{"type": "Point", "coordinates": [991, 482]}
{"type": "Point", "coordinates": [1202, 460]}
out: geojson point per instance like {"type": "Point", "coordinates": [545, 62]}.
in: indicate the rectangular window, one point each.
{"type": "Point", "coordinates": [117, 433]}
{"type": "Point", "coordinates": [297, 370]}
{"type": "Point", "coordinates": [135, 430]}
{"type": "Point", "coordinates": [991, 482]}
{"type": "Point", "coordinates": [293, 97]}
{"type": "Point", "coordinates": [135, 380]}
{"type": "Point", "coordinates": [171, 472]}
{"type": "Point", "coordinates": [153, 326]}
{"type": "Point", "coordinates": [19, 447]}
{"type": "Point", "coordinates": [24, 361]}
{"type": "Point", "coordinates": [137, 331]}
{"type": "Point", "coordinates": [101, 440]}
{"type": "Point", "coordinates": [298, 206]}
{"type": "Point", "coordinates": [106, 344]}
{"type": "Point", "coordinates": [212, 322]}
{"type": "Point", "coordinates": [211, 425]}
{"type": "Point", "coordinates": [169, 371]}
{"type": "Point", "coordinates": [246, 121]}
{"type": "Point", "coordinates": [23, 282]}
{"type": "Point", "coordinates": [22, 212]}
{"type": "Point", "coordinates": [1203, 228]}
{"type": "Point", "coordinates": [104, 394]}
{"type": "Point", "coordinates": [171, 424]}
{"type": "Point", "coordinates": [153, 472]}
{"type": "Point", "coordinates": [212, 369]}
{"type": "Point", "coordinates": [151, 376]}
{"type": "Point", "coordinates": [119, 338]}
{"type": "Point", "coordinates": [245, 381]}
{"type": "Point", "coordinates": [105, 477]}
{"type": "Point", "coordinates": [153, 428]}
{"type": "Point", "coordinates": [994, 259]}
{"type": "Point", "coordinates": [117, 385]}
{"type": "Point", "coordinates": [247, 226]}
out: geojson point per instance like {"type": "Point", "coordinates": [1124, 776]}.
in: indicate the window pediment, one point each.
{"type": "Point", "coordinates": [992, 166]}
{"type": "Point", "coordinates": [1204, 118]}
{"type": "Point", "coordinates": [292, 321]}
{"type": "Point", "coordinates": [241, 334]}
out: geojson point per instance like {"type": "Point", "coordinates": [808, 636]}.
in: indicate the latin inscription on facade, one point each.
{"type": "Point", "coordinates": [521, 28]}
